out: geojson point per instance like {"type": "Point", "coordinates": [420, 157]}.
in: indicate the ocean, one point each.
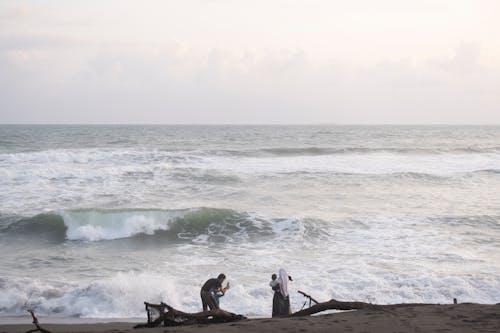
{"type": "Point", "coordinates": [95, 220]}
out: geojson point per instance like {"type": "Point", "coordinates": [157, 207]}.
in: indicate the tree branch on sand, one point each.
{"type": "Point", "coordinates": [35, 321]}
{"type": "Point", "coordinates": [334, 305]}
{"type": "Point", "coordinates": [339, 305]}
{"type": "Point", "coordinates": [173, 317]}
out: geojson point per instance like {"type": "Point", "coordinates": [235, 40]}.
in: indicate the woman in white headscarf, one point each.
{"type": "Point", "coordinates": [281, 300]}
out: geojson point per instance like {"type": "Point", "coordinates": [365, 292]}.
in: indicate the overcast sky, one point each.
{"type": "Point", "coordinates": [250, 62]}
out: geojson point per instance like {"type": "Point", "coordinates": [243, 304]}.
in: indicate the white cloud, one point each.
{"type": "Point", "coordinates": [229, 62]}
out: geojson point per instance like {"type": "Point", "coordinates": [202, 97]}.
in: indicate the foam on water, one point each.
{"type": "Point", "coordinates": [121, 295]}
{"type": "Point", "coordinates": [376, 259]}
{"type": "Point", "coordinates": [83, 163]}
{"type": "Point", "coordinates": [115, 297]}
{"type": "Point", "coordinates": [95, 225]}
{"type": "Point", "coordinates": [57, 179]}
{"type": "Point", "coordinates": [370, 163]}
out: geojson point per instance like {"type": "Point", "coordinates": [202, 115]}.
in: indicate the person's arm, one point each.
{"type": "Point", "coordinates": [273, 283]}
{"type": "Point", "coordinates": [223, 290]}
{"type": "Point", "coordinates": [219, 289]}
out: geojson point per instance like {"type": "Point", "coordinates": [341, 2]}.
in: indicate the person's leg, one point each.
{"type": "Point", "coordinates": [204, 301]}
{"type": "Point", "coordinates": [284, 306]}
{"type": "Point", "coordinates": [212, 303]}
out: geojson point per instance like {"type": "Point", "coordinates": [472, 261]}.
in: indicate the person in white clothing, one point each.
{"type": "Point", "coordinates": [281, 300]}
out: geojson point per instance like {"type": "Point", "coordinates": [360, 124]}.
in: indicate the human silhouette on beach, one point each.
{"type": "Point", "coordinates": [207, 292]}
{"type": "Point", "coordinates": [281, 299]}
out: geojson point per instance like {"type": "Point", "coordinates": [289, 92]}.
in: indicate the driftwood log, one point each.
{"type": "Point", "coordinates": [158, 313]}
{"type": "Point", "coordinates": [334, 305]}
{"type": "Point", "coordinates": [212, 316]}
{"type": "Point", "coordinates": [35, 322]}
{"type": "Point", "coordinates": [173, 317]}
{"type": "Point", "coordinates": [339, 305]}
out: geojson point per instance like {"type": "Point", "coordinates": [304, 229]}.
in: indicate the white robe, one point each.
{"type": "Point", "coordinates": [283, 281]}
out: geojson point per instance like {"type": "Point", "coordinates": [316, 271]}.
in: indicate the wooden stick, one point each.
{"type": "Point", "coordinates": [35, 322]}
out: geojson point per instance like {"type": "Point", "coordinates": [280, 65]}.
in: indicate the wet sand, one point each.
{"type": "Point", "coordinates": [459, 318]}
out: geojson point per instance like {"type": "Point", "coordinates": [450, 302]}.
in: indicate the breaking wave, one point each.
{"type": "Point", "coordinates": [121, 295]}
{"type": "Point", "coordinates": [313, 151]}
{"type": "Point", "coordinates": [210, 225]}
{"type": "Point", "coordinates": [200, 225]}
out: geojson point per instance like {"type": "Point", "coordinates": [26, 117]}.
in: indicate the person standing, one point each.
{"type": "Point", "coordinates": [210, 287]}
{"type": "Point", "coordinates": [281, 299]}
{"type": "Point", "coordinates": [274, 284]}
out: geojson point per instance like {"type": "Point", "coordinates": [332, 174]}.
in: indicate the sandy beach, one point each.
{"type": "Point", "coordinates": [460, 318]}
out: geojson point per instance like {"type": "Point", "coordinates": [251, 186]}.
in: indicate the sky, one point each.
{"type": "Point", "coordinates": [250, 62]}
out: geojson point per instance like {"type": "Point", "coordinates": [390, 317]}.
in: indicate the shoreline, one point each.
{"type": "Point", "coordinates": [464, 317]}
{"type": "Point", "coordinates": [21, 320]}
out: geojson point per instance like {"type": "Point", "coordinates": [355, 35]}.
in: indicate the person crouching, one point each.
{"type": "Point", "coordinates": [207, 292]}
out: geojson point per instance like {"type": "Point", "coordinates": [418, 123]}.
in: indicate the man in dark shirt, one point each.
{"type": "Point", "coordinates": [206, 293]}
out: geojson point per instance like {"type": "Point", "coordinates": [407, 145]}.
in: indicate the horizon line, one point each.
{"type": "Point", "coordinates": [246, 124]}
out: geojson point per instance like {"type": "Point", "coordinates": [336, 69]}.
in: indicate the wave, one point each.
{"type": "Point", "coordinates": [205, 176]}
{"type": "Point", "coordinates": [203, 225]}
{"type": "Point", "coordinates": [43, 226]}
{"type": "Point", "coordinates": [318, 151]}
{"type": "Point", "coordinates": [424, 177]}
{"type": "Point", "coordinates": [489, 171]}
{"type": "Point", "coordinates": [473, 221]}
{"type": "Point", "coordinates": [120, 295]}
{"type": "Point", "coordinates": [198, 225]}
{"type": "Point", "coordinates": [394, 175]}
{"type": "Point", "coordinates": [86, 163]}
{"type": "Point", "coordinates": [88, 155]}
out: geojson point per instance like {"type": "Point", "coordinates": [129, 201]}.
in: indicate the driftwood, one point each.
{"type": "Point", "coordinates": [169, 316]}
{"type": "Point", "coordinates": [309, 297]}
{"type": "Point", "coordinates": [334, 305]}
{"type": "Point", "coordinates": [158, 313]}
{"type": "Point", "coordinates": [212, 316]}
{"type": "Point", "coordinates": [35, 322]}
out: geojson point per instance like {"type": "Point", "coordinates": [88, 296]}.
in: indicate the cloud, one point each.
{"type": "Point", "coordinates": [172, 83]}
{"type": "Point", "coordinates": [37, 41]}
{"type": "Point", "coordinates": [11, 13]}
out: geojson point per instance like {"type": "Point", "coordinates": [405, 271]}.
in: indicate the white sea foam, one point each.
{"type": "Point", "coordinates": [95, 225]}
{"type": "Point", "coordinates": [368, 163]}
{"type": "Point", "coordinates": [85, 163]}
{"type": "Point", "coordinates": [116, 297]}
{"type": "Point", "coordinates": [376, 259]}
{"type": "Point", "coordinates": [121, 295]}
{"type": "Point", "coordinates": [61, 179]}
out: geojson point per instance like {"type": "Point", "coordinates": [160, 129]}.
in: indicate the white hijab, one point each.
{"type": "Point", "coordinates": [283, 281]}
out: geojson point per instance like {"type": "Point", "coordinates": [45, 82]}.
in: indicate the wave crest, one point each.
{"type": "Point", "coordinates": [198, 225]}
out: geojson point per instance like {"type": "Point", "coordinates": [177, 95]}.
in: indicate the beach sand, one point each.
{"type": "Point", "coordinates": [408, 318]}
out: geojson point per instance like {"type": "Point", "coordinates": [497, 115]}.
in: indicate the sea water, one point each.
{"type": "Point", "coordinates": [95, 220]}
